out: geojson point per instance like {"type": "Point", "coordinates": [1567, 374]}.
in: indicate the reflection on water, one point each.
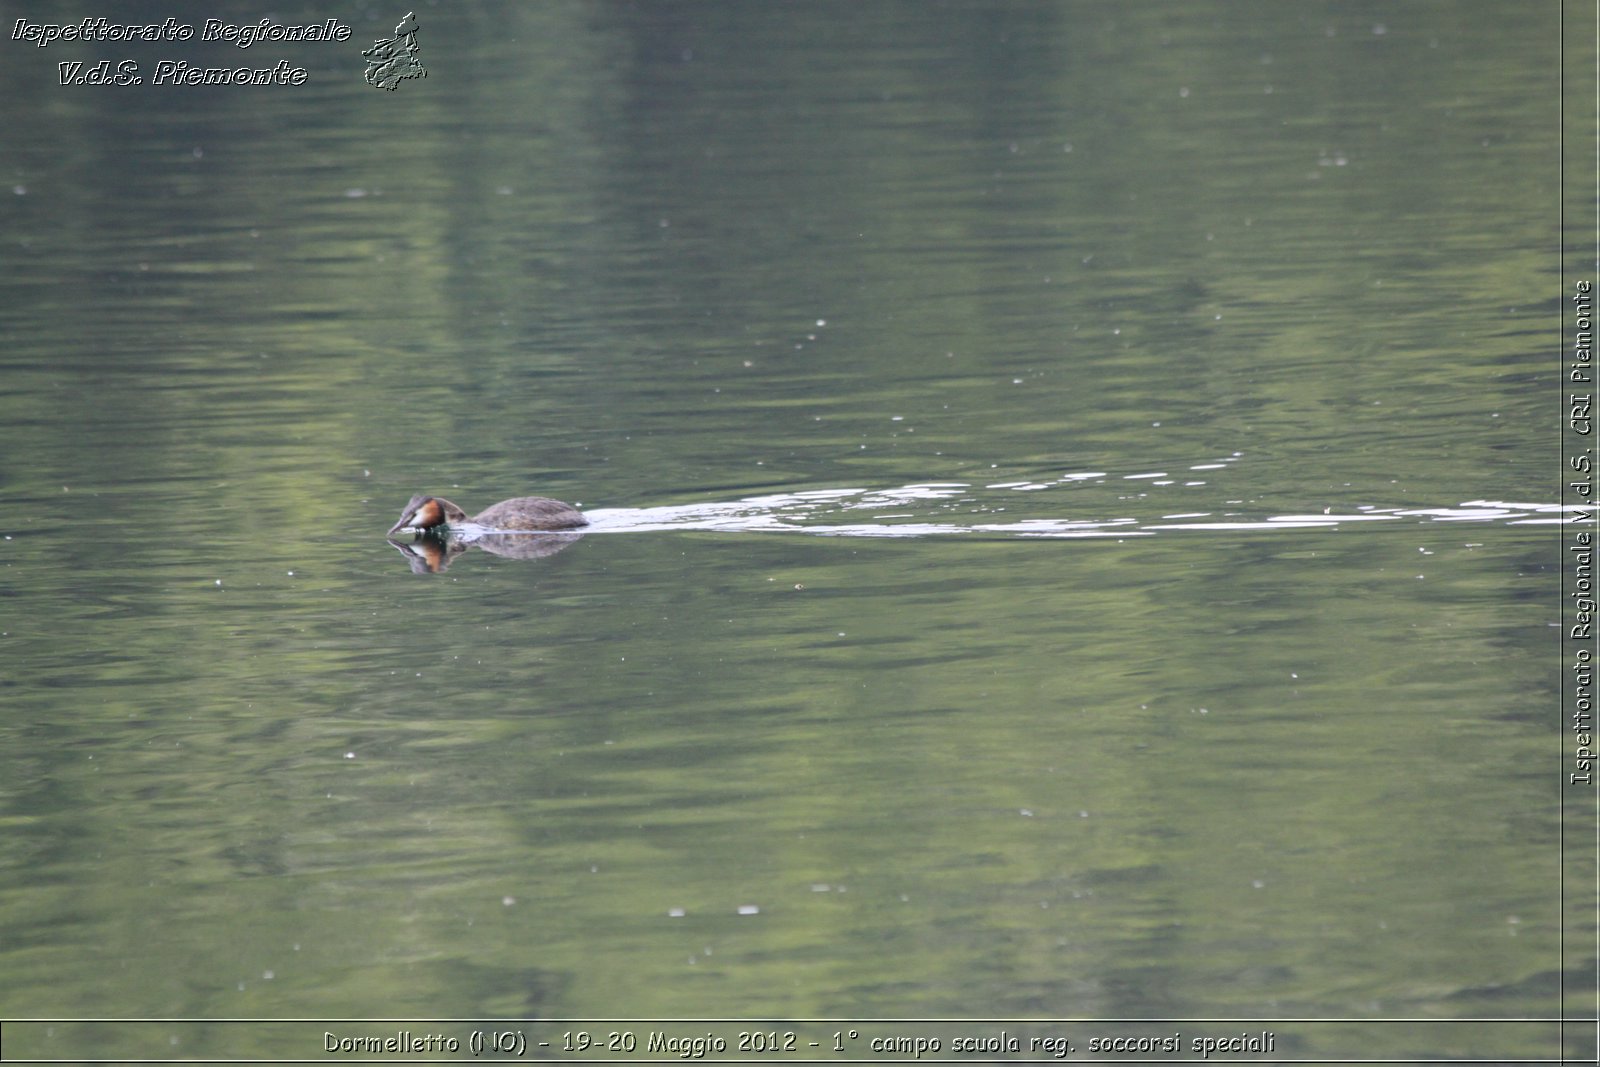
{"type": "Point", "coordinates": [433, 555]}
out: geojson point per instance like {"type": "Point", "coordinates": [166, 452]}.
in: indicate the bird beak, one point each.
{"type": "Point", "coordinates": [408, 517]}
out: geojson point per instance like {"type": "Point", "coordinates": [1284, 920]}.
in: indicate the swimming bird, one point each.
{"type": "Point", "coordinates": [433, 516]}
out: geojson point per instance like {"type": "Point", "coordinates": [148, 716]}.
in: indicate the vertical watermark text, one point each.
{"type": "Point", "coordinates": [1578, 437]}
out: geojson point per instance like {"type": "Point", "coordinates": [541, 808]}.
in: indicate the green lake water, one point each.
{"type": "Point", "coordinates": [1077, 528]}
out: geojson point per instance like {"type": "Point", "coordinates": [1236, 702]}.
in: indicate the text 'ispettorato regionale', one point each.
{"type": "Point", "coordinates": [178, 72]}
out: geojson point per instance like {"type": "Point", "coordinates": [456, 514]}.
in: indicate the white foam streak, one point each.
{"type": "Point", "coordinates": [899, 510]}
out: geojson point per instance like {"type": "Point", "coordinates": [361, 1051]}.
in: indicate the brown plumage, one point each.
{"type": "Point", "coordinates": [428, 513]}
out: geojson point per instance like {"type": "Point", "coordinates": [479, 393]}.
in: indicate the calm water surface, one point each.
{"type": "Point", "coordinates": [1075, 528]}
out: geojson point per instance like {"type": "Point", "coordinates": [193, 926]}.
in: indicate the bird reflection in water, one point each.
{"type": "Point", "coordinates": [431, 554]}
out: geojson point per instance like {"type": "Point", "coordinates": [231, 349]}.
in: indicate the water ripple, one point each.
{"type": "Point", "coordinates": [904, 512]}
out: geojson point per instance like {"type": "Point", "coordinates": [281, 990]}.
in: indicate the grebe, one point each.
{"type": "Point", "coordinates": [431, 515]}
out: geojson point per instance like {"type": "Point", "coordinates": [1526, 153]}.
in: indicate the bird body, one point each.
{"type": "Point", "coordinates": [434, 515]}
